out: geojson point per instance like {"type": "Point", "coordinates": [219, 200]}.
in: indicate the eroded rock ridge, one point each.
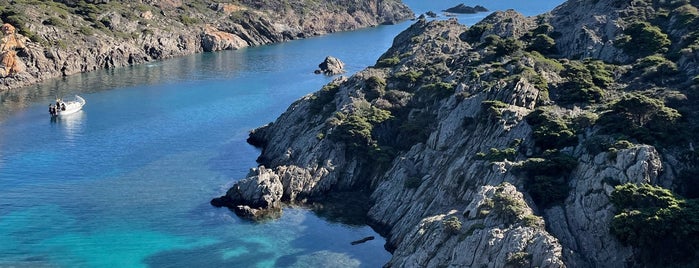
{"type": "Point", "coordinates": [501, 144]}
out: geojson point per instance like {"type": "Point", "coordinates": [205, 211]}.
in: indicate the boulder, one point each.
{"type": "Point", "coordinates": [331, 66]}
{"type": "Point", "coordinates": [215, 40]}
{"type": "Point", "coordinates": [255, 196]}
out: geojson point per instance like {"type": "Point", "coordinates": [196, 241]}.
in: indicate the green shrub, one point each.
{"type": "Point", "coordinates": [686, 16]}
{"type": "Point", "coordinates": [376, 87]}
{"type": "Point", "coordinates": [544, 44]}
{"type": "Point", "coordinates": [323, 97]}
{"type": "Point", "coordinates": [439, 90]}
{"type": "Point", "coordinates": [187, 20]}
{"type": "Point", "coordinates": [581, 86]}
{"type": "Point", "coordinates": [643, 39]}
{"type": "Point", "coordinates": [475, 32]}
{"type": "Point", "coordinates": [550, 131]}
{"type": "Point", "coordinates": [54, 21]}
{"type": "Point", "coordinates": [409, 77]}
{"type": "Point", "coordinates": [492, 109]}
{"type": "Point", "coordinates": [452, 225]}
{"type": "Point", "coordinates": [519, 259]}
{"type": "Point", "coordinates": [511, 209]}
{"type": "Point", "coordinates": [388, 62]}
{"type": "Point", "coordinates": [355, 132]}
{"type": "Point", "coordinates": [546, 178]}
{"type": "Point", "coordinates": [496, 155]}
{"type": "Point", "coordinates": [86, 30]}
{"type": "Point", "coordinates": [645, 119]}
{"type": "Point", "coordinates": [663, 227]}
{"type": "Point", "coordinates": [507, 46]}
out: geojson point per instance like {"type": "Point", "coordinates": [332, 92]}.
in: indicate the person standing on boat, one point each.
{"type": "Point", "coordinates": [63, 106]}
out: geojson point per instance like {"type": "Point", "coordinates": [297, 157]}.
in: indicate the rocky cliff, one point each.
{"type": "Point", "coordinates": [505, 144]}
{"type": "Point", "coordinates": [69, 37]}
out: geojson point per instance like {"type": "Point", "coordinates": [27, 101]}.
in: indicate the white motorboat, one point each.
{"type": "Point", "coordinates": [66, 107]}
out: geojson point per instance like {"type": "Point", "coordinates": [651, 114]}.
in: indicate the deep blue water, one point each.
{"type": "Point", "coordinates": [126, 182]}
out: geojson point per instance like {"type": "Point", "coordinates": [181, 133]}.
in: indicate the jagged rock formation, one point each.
{"type": "Point", "coordinates": [9, 64]}
{"type": "Point", "coordinates": [331, 66]}
{"type": "Point", "coordinates": [488, 146]}
{"type": "Point", "coordinates": [82, 36]}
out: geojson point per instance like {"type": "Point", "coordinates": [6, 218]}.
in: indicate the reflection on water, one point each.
{"type": "Point", "coordinates": [210, 66]}
{"type": "Point", "coordinates": [71, 125]}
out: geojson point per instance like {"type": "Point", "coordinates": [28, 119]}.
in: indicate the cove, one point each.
{"type": "Point", "coordinates": [127, 181]}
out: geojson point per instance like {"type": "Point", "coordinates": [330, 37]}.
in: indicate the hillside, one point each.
{"type": "Point", "coordinates": [65, 37]}
{"type": "Point", "coordinates": [563, 139]}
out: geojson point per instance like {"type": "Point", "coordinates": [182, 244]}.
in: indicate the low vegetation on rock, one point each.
{"type": "Point", "coordinates": [450, 111]}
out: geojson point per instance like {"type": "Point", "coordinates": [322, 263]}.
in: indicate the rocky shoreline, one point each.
{"type": "Point", "coordinates": [493, 145]}
{"type": "Point", "coordinates": [86, 36]}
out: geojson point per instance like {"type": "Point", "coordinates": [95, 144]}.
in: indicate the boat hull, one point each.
{"type": "Point", "coordinates": [72, 106]}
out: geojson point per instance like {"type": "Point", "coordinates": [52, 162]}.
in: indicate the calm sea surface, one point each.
{"type": "Point", "coordinates": [127, 181]}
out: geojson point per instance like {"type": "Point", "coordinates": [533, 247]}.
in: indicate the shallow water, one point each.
{"type": "Point", "coordinates": [126, 182]}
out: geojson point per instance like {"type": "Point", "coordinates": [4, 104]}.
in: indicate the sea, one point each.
{"type": "Point", "coordinates": [126, 182]}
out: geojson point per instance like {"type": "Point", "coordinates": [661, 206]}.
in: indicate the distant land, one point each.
{"type": "Point", "coordinates": [464, 9]}
{"type": "Point", "coordinates": [65, 37]}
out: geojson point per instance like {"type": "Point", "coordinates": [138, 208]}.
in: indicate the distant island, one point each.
{"type": "Point", "coordinates": [464, 9]}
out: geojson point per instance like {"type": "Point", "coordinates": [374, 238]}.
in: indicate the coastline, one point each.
{"type": "Point", "coordinates": [135, 34]}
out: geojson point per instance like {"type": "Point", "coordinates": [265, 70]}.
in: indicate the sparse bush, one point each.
{"type": "Point", "coordinates": [496, 155]}
{"type": "Point", "coordinates": [375, 87]}
{"type": "Point", "coordinates": [452, 225]}
{"type": "Point", "coordinates": [519, 259]}
{"type": "Point", "coordinates": [511, 209]}
{"type": "Point", "coordinates": [388, 62]}
{"type": "Point", "coordinates": [409, 77]}
{"type": "Point", "coordinates": [323, 97]}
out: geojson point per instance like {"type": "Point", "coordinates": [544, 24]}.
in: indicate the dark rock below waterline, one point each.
{"type": "Point", "coordinates": [362, 240]}
{"type": "Point", "coordinates": [464, 9]}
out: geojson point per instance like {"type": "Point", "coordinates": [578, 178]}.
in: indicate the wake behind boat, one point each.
{"type": "Point", "coordinates": [66, 107]}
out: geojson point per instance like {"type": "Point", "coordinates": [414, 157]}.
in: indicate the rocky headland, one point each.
{"type": "Point", "coordinates": [548, 141]}
{"type": "Point", "coordinates": [66, 37]}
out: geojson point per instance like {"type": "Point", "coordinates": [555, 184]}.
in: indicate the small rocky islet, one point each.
{"type": "Point", "coordinates": [546, 141]}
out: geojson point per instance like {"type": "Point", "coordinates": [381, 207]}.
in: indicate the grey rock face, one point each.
{"type": "Point", "coordinates": [438, 201]}
{"type": "Point", "coordinates": [331, 66]}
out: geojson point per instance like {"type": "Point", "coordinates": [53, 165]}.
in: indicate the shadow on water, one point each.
{"type": "Point", "coordinates": [348, 208]}
{"type": "Point", "coordinates": [212, 256]}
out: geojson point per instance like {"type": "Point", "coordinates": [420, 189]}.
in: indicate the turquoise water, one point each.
{"type": "Point", "coordinates": [127, 181]}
